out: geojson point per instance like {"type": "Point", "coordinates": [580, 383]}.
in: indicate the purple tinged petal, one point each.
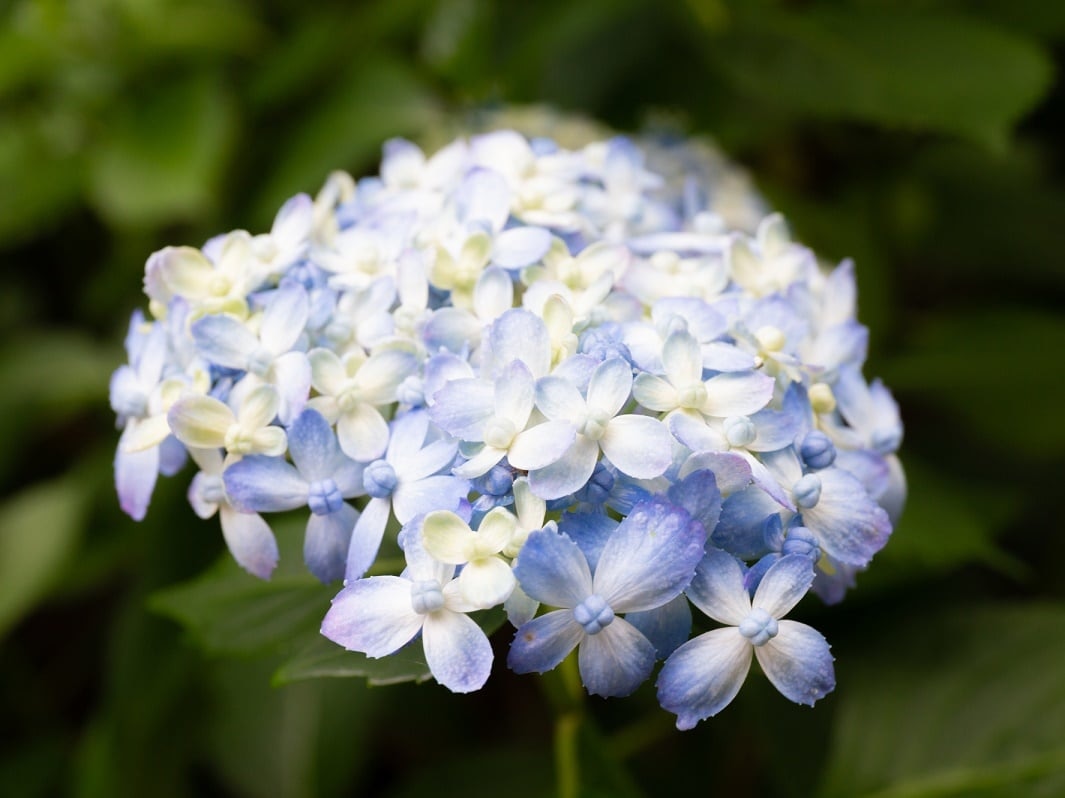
{"type": "Point", "coordinates": [292, 378]}
{"type": "Point", "coordinates": [224, 341]}
{"type": "Point", "coordinates": [463, 406]}
{"type": "Point", "coordinates": [849, 525]}
{"type": "Point", "coordinates": [798, 663]}
{"type": "Point", "coordinates": [457, 651]}
{"type": "Point", "coordinates": [484, 197]}
{"type": "Point", "coordinates": [373, 616]}
{"type": "Point", "coordinates": [774, 429]}
{"type": "Point", "coordinates": [326, 543]}
{"type": "Point", "coordinates": [542, 643]}
{"type": "Point", "coordinates": [552, 569]}
{"type": "Point", "coordinates": [264, 484]}
{"type": "Point", "coordinates": [406, 436]}
{"type": "Point", "coordinates": [451, 329]}
{"type": "Point", "coordinates": [313, 446]}
{"type": "Point", "coordinates": [698, 494]}
{"type": "Point", "coordinates": [667, 627]}
{"type": "Point", "coordinates": [172, 456]}
{"type": "Point", "coordinates": [493, 294]}
{"type": "Point", "coordinates": [366, 538]}
{"type": "Point", "coordinates": [718, 590]}
{"type": "Point", "coordinates": [784, 584]}
{"type": "Point", "coordinates": [590, 531]}
{"type": "Point", "coordinates": [516, 335]}
{"type": "Point", "coordinates": [569, 473]}
{"type": "Point", "coordinates": [703, 676]}
{"type": "Point", "coordinates": [559, 399]}
{"type": "Point", "coordinates": [615, 661]}
{"type": "Point", "coordinates": [135, 475]}
{"type": "Point", "coordinates": [520, 246]}
{"type": "Point", "coordinates": [719, 356]}
{"type": "Point", "coordinates": [650, 558]}
{"type": "Point", "coordinates": [513, 393]}
{"type": "Point", "coordinates": [639, 446]}
{"type": "Point", "coordinates": [741, 528]}
{"type": "Point", "coordinates": [440, 492]}
{"type": "Point", "coordinates": [422, 463]}
{"type": "Point", "coordinates": [732, 471]}
{"type": "Point", "coordinates": [682, 359]}
{"type": "Point", "coordinates": [250, 541]}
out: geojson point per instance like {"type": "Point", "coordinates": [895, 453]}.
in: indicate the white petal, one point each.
{"type": "Point", "coordinates": [457, 651]}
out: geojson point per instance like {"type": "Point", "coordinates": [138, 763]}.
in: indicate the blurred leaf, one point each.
{"type": "Point", "coordinates": [303, 740]}
{"type": "Point", "coordinates": [372, 102]}
{"type": "Point", "coordinates": [163, 155]}
{"type": "Point", "coordinates": [39, 529]}
{"type": "Point", "coordinates": [484, 772]}
{"type": "Point", "coordinates": [942, 528]}
{"type": "Point", "coordinates": [963, 703]}
{"type": "Point", "coordinates": [324, 658]}
{"type": "Point", "coordinates": [929, 71]}
{"type": "Point", "coordinates": [187, 27]}
{"type": "Point", "coordinates": [228, 611]}
{"type": "Point", "coordinates": [991, 371]}
{"type": "Point", "coordinates": [55, 369]}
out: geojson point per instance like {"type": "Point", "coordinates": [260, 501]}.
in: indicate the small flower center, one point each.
{"type": "Point", "coordinates": [770, 339]}
{"type": "Point", "coordinates": [822, 400]}
{"type": "Point", "coordinates": [817, 450]}
{"type": "Point", "coordinates": [323, 497]}
{"type": "Point", "coordinates": [807, 491]}
{"type": "Point", "coordinates": [499, 432]}
{"type": "Point", "coordinates": [594, 614]}
{"type": "Point", "coordinates": [739, 431]}
{"type": "Point", "coordinates": [426, 596]}
{"type": "Point", "coordinates": [379, 479]}
{"type": "Point", "coordinates": [259, 362]}
{"type": "Point", "coordinates": [759, 627]}
{"type": "Point", "coordinates": [594, 426]}
{"type": "Point", "coordinates": [801, 540]}
{"type": "Point", "coordinates": [219, 285]}
{"type": "Point", "coordinates": [238, 440]}
{"type": "Point", "coordinates": [692, 396]}
{"type": "Point", "coordinates": [349, 400]}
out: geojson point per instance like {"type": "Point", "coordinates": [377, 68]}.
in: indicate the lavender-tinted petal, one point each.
{"type": "Point", "coordinates": [784, 584]}
{"type": "Point", "coordinates": [457, 651]}
{"type": "Point", "coordinates": [313, 446]}
{"type": "Point", "coordinates": [615, 661]}
{"type": "Point", "coordinates": [325, 545]}
{"type": "Point", "coordinates": [520, 246]}
{"type": "Point", "coordinates": [569, 473]}
{"type": "Point", "coordinates": [732, 471]}
{"type": "Point", "coordinates": [292, 378]}
{"type": "Point", "coordinates": [542, 643]}
{"type": "Point", "coordinates": [450, 329]}
{"type": "Point", "coordinates": [610, 386]}
{"type": "Point", "coordinates": [258, 483]}
{"type": "Point", "coordinates": [172, 456]}
{"type": "Point", "coordinates": [698, 494]}
{"type": "Point", "coordinates": [737, 394]}
{"type": "Point", "coordinates": [422, 463]}
{"type": "Point", "coordinates": [440, 492]}
{"type": "Point", "coordinates": [462, 407]}
{"type": "Point", "coordinates": [849, 525]}
{"type": "Point", "coordinates": [516, 335]}
{"type": "Point", "coordinates": [741, 528]}
{"type": "Point", "coordinates": [284, 318]}
{"type": "Point", "coordinates": [406, 435]}
{"type": "Point", "coordinates": [135, 475]}
{"type": "Point", "coordinates": [703, 676]}
{"type": "Point", "coordinates": [798, 663]}
{"type": "Point", "coordinates": [250, 541]}
{"type": "Point", "coordinates": [650, 558]}
{"type": "Point", "coordinates": [590, 531]}
{"type": "Point", "coordinates": [224, 341]}
{"type": "Point", "coordinates": [373, 616]}
{"type": "Point", "coordinates": [667, 627]}
{"type": "Point", "coordinates": [559, 399]}
{"type": "Point", "coordinates": [718, 590]}
{"type": "Point", "coordinates": [552, 569]}
{"type": "Point", "coordinates": [542, 445]}
{"type": "Point", "coordinates": [514, 391]}
{"type": "Point", "coordinates": [366, 538]}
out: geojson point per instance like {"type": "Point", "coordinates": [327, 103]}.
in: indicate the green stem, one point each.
{"type": "Point", "coordinates": [564, 691]}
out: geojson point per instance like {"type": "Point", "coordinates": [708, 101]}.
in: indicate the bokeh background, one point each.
{"type": "Point", "coordinates": [923, 138]}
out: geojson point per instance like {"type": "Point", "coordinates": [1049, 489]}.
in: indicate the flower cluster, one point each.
{"type": "Point", "coordinates": [574, 383]}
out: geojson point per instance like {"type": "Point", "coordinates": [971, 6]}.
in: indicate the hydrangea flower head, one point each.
{"type": "Point", "coordinates": [592, 387]}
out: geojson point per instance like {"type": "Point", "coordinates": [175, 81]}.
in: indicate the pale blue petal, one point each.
{"type": "Point", "coordinates": [514, 391]}
{"type": "Point", "coordinates": [737, 394]}
{"type": "Point", "coordinates": [284, 318]}
{"type": "Point", "coordinates": [258, 483]}
{"type": "Point", "coordinates": [718, 590]}
{"type": "Point", "coordinates": [451, 329]}
{"type": "Point", "coordinates": [135, 475]}
{"type": "Point", "coordinates": [615, 661]}
{"type": "Point", "coordinates": [406, 435]}
{"type": "Point", "coordinates": [325, 545]}
{"type": "Point", "coordinates": [698, 494]}
{"type": "Point", "coordinates": [463, 406]}
{"type": "Point", "coordinates": [172, 456]}
{"type": "Point", "coordinates": [493, 294]}
{"type": "Point", "coordinates": [366, 538]}
{"type": "Point", "coordinates": [775, 429]}
{"type": "Point", "coordinates": [850, 526]}
{"type": "Point", "coordinates": [639, 446]}
{"type": "Point", "coordinates": [559, 399]}
{"type": "Point", "coordinates": [870, 468]}
{"type": "Point", "coordinates": [313, 446]}
{"type": "Point", "coordinates": [516, 335]}
{"type": "Point", "coordinates": [732, 471]}
{"type": "Point", "coordinates": [373, 616]}
{"type": "Point", "coordinates": [703, 676]}
{"type": "Point", "coordinates": [292, 378]}
{"type": "Point", "coordinates": [480, 461]}
{"type": "Point", "coordinates": [798, 663]}
{"type": "Point", "coordinates": [569, 473]}
{"type": "Point", "coordinates": [542, 445]}
{"type": "Point", "coordinates": [423, 463]}
{"type": "Point", "coordinates": [609, 388]}
{"type": "Point", "coordinates": [682, 359]}
{"type": "Point", "coordinates": [590, 531]}
{"type": "Point", "coordinates": [224, 341]}
{"type": "Point", "coordinates": [667, 627]}
{"type": "Point", "coordinates": [440, 492]}
{"type": "Point", "coordinates": [741, 528]}
{"type": "Point", "coordinates": [542, 643]}
{"type": "Point", "coordinates": [692, 430]}
{"type": "Point", "coordinates": [484, 196]}
{"type": "Point", "coordinates": [250, 541]}
{"type": "Point", "coordinates": [457, 651]}
{"type": "Point", "coordinates": [520, 246]}
{"type": "Point", "coordinates": [650, 558]}
{"type": "Point", "coordinates": [552, 569]}
{"type": "Point", "coordinates": [784, 584]}
{"type": "Point", "coordinates": [718, 356]}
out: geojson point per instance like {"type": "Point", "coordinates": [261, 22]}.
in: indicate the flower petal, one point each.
{"type": "Point", "coordinates": [250, 541]}
{"type": "Point", "coordinates": [486, 582]}
{"type": "Point", "coordinates": [569, 473]}
{"type": "Point", "coordinates": [457, 651]}
{"type": "Point", "coordinates": [615, 661]}
{"type": "Point", "coordinates": [798, 663]}
{"type": "Point", "coordinates": [552, 569]}
{"type": "Point", "coordinates": [447, 537]}
{"type": "Point", "coordinates": [325, 546]}
{"type": "Point", "coordinates": [784, 584]}
{"type": "Point", "coordinates": [258, 483]}
{"type": "Point", "coordinates": [366, 538]}
{"type": "Point", "coordinates": [609, 388]}
{"type": "Point", "coordinates": [200, 421]}
{"type": "Point", "coordinates": [639, 446]}
{"type": "Point", "coordinates": [737, 394]}
{"type": "Point", "coordinates": [542, 643]}
{"type": "Point", "coordinates": [718, 590]}
{"type": "Point", "coordinates": [363, 433]}
{"type": "Point", "coordinates": [703, 676]}
{"type": "Point", "coordinates": [224, 341]}
{"type": "Point", "coordinates": [313, 446]}
{"type": "Point", "coordinates": [373, 616]}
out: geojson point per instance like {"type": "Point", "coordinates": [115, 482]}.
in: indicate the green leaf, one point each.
{"type": "Point", "coordinates": [927, 71]}
{"type": "Point", "coordinates": [163, 156]}
{"type": "Point", "coordinates": [39, 529]}
{"type": "Point", "coordinates": [994, 372]}
{"type": "Point", "coordinates": [228, 611]}
{"type": "Point", "coordinates": [958, 703]}
{"type": "Point", "coordinates": [372, 102]}
{"type": "Point", "coordinates": [322, 658]}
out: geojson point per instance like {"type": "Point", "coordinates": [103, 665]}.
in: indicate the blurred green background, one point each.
{"type": "Point", "coordinates": [921, 137]}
